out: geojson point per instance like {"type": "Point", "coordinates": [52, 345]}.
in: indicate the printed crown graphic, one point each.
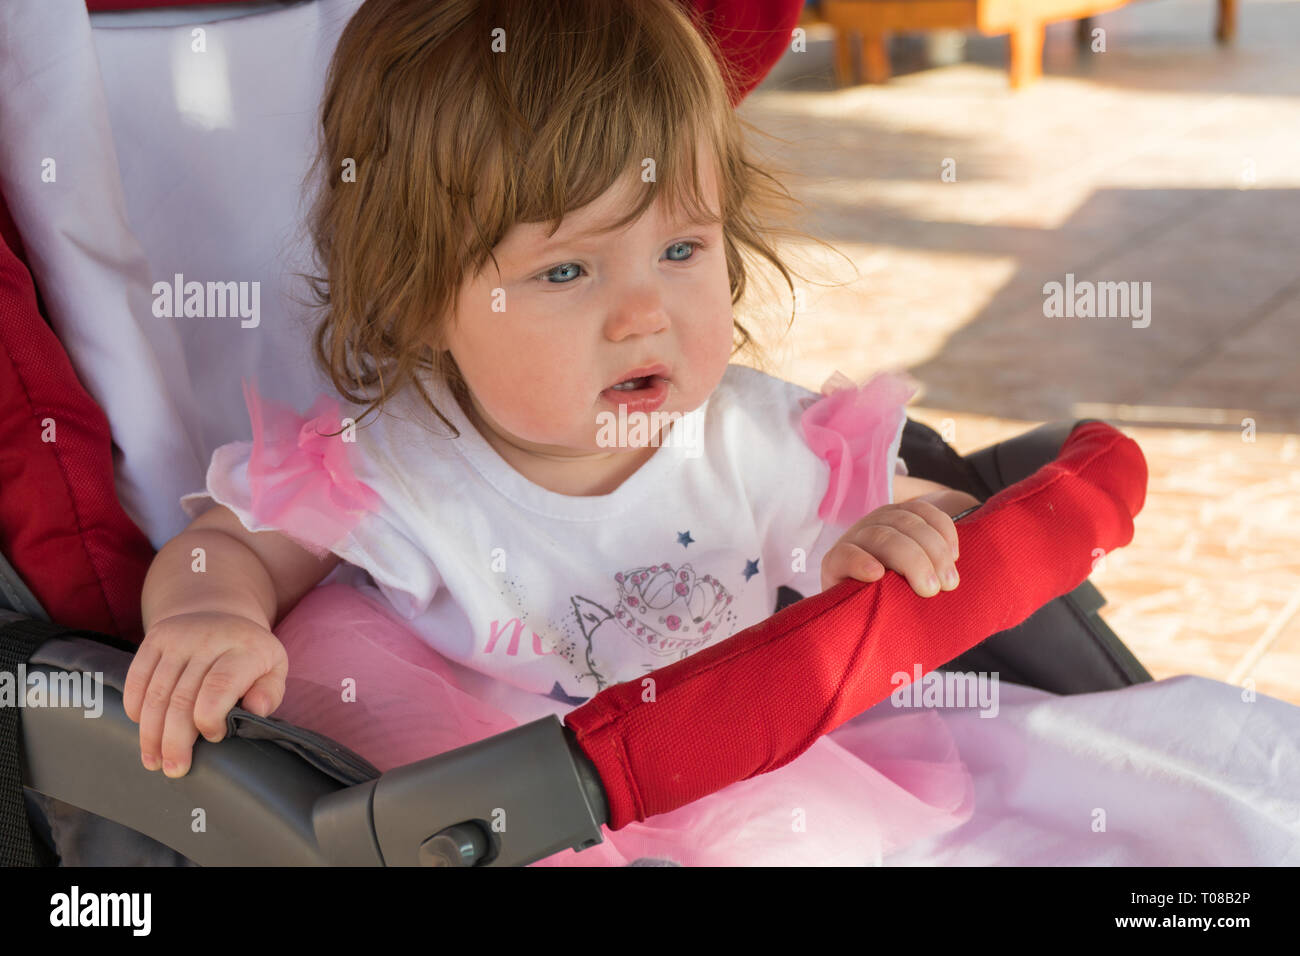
{"type": "Point", "coordinates": [670, 609]}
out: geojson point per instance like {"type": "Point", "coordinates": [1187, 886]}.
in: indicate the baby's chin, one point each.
{"type": "Point", "coordinates": [592, 445]}
{"type": "Point", "coordinates": [595, 432]}
{"type": "Point", "coordinates": [578, 442]}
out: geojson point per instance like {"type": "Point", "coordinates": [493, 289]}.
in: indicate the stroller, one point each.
{"type": "Point", "coordinates": [300, 799]}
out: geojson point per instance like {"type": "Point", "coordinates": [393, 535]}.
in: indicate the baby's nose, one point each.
{"type": "Point", "coordinates": [639, 312]}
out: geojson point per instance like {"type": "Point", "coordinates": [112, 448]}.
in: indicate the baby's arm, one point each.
{"type": "Point", "coordinates": [208, 639]}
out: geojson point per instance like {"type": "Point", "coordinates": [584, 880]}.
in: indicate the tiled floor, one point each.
{"type": "Point", "coordinates": [1168, 160]}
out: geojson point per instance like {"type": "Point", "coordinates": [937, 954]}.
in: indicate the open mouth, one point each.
{"type": "Point", "coordinates": [634, 384]}
{"type": "Point", "coordinates": [644, 393]}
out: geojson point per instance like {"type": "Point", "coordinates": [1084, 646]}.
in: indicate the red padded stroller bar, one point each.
{"type": "Point", "coordinates": [759, 699]}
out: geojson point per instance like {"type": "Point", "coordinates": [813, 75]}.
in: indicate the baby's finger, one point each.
{"type": "Point", "coordinates": [153, 712]}
{"type": "Point", "coordinates": [227, 680]}
{"type": "Point", "coordinates": [899, 551]}
{"type": "Point", "coordinates": [918, 520]}
{"type": "Point", "coordinates": [137, 679]}
{"type": "Point", "coordinates": [936, 518]}
{"type": "Point", "coordinates": [847, 560]}
{"type": "Point", "coordinates": [180, 733]}
{"type": "Point", "coordinates": [268, 693]}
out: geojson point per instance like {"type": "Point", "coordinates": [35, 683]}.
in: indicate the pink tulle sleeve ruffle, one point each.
{"type": "Point", "coordinates": [856, 430]}
{"type": "Point", "coordinates": [301, 475]}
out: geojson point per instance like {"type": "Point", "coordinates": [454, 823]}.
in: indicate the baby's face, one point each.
{"type": "Point", "coordinates": [576, 314]}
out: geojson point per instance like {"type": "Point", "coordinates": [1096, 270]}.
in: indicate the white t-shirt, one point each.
{"type": "Point", "coordinates": [561, 595]}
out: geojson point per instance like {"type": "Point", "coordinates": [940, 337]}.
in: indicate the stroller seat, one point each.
{"type": "Point", "coordinates": [181, 164]}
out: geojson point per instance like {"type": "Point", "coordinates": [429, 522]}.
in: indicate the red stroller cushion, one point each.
{"type": "Point", "coordinates": [759, 699]}
{"type": "Point", "coordinates": [61, 526]}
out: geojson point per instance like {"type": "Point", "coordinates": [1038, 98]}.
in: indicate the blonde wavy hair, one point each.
{"type": "Point", "coordinates": [461, 118]}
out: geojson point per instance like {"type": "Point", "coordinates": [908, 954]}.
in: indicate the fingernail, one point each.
{"type": "Point", "coordinates": [149, 760]}
{"type": "Point", "coordinates": [932, 583]}
{"type": "Point", "coordinates": [172, 769]}
{"type": "Point", "coordinates": [950, 578]}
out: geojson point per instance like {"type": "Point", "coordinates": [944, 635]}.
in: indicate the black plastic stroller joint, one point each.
{"type": "Point", "coordinates": [520, 796]}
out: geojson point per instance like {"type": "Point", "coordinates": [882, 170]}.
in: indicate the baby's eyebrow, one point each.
{"type": "Point", "coordinates": [703, 219]}
{"type": "Point", "coordinates": [599, 230]}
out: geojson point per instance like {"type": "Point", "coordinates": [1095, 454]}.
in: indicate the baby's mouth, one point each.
{"type": "Point", "coordinates": [641, 394]}
{"type": "Point", "coordinates": [634, 384]}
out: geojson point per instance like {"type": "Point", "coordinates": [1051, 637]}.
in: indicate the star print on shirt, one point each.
{"type": "Point", "coordinates": [751, 569]}
{"type": "Point", "coordinates": [557, 693]}
{"type": "Point", "coordinates": [684, 538]}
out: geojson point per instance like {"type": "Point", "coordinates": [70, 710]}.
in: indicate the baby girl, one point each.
{"type": "Point", "coordinates": [534, 225]}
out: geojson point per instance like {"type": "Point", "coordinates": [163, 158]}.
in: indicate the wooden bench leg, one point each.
{"type": "Point", "coordinates": [1226, 28]}
{"type": "Point", "coordinates": [1083, 31]}
{"type": "Point", "coordinates": [1026, 54]}
{"type": "Point", "coordinates": [844, 75]}
{"type": "Point", "coordinates": [875, 57]}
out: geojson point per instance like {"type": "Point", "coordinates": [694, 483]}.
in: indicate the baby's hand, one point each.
{"type": "Point", "coordinates": [190, 671]}
{"type": "Point", "coordinates": [914, 538]}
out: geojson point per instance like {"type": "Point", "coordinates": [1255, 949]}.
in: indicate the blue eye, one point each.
{"type": "Point", "coordinates": [545, 276]}
{"type": "Point", "coordinates": [565, 265]}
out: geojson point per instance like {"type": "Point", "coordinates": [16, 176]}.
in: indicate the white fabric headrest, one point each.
{"type": "Point", "coordinates": [130, 155]}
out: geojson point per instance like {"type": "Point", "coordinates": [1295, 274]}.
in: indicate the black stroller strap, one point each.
{"type": "Point", "coordinates": [328, 756]}
{"type": "Point", "coordinates": [928, 456]}
{"type": "Point", "coordinates": [19, 639]}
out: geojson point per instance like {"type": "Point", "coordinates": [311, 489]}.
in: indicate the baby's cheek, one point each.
{"type": "Point", "coordinates": [710, 351]}
{"type": "Point", "coordinates": [556, 418]}
{"type": "Point", "coordinates": [534, 419]}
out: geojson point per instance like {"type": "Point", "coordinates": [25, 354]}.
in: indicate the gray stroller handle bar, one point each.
{"type": "Point", "coordinates": [515, 798]}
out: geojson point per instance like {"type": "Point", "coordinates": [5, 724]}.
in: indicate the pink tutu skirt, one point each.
{"type": "Point", "coordinates": [885, 779]}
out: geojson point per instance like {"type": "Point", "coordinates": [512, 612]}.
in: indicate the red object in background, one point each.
{"type": "Point", "coordinates": [756, 701]}
{"type": "Point", "coordinates": [9, 233]}
{"type": "Point", "coordinates": [752, 36]}
{"type": "Point", "coordinates": [61, 525]}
